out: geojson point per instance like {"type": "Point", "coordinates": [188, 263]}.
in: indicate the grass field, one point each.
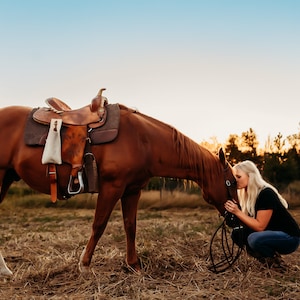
{"type": "Point", "coordinates": [42, 247]}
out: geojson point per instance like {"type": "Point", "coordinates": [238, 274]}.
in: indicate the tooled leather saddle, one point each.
{"type": "Point", "coordinates": [93, 124]}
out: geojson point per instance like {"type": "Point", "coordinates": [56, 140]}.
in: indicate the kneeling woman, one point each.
{"type": "Point", "coordinates": [269, 229]}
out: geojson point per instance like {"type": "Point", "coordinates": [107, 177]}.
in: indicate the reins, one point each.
{"type": "Point", "coordinates": [230, 251]}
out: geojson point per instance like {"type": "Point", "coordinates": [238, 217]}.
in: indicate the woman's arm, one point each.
{"type": "Point", "coordinates": [261, 221]}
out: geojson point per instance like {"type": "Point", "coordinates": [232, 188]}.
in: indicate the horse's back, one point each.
{"type": "Point", "coordinates": [13, 116]}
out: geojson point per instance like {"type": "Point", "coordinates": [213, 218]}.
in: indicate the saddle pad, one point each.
{"type": "Point", "coordinates": [109, 131]}
{"type": "Point", "coordinates": [35, 134]}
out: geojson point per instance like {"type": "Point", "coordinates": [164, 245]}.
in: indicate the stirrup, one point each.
{"type": "Point", "coordinates": [81, 184]}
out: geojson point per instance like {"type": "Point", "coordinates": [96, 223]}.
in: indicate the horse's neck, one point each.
{"type": "Point", "coordinates": [186, 160]}
{"type": "Point", "coordinates": [173, 154]}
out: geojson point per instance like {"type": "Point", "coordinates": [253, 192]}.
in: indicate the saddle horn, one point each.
{"type": "Point", "coordinates": [98, 102]}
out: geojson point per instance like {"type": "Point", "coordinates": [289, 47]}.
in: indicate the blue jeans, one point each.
{"type": "Point", "coordinates": [266, 243]}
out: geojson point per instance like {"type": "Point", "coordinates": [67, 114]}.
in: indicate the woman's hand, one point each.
{"type": "Point", "coordinates": [259, 223]}
{"type": "Point", "coordinates": [231, 207]}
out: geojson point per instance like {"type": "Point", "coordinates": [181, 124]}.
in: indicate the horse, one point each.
{"type": "Point", "coordinates": [144, 147]}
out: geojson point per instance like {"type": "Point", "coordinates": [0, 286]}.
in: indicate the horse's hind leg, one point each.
{"type": "Point", "coordinates": [129, 209]}
{"type": "Point", "coordinates": [7, 177]}
{"type": "Point", "coordinates": [104, 207]}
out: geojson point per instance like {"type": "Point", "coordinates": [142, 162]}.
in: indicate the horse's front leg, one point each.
{"type": "Point", "coordinates": [4, 270]}
{"type": "Point", "coordinates": [104, 207]}
{"type": "Point", "coordinates": [129, 209]}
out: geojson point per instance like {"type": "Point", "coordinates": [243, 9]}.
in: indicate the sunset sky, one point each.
{"type": "Point", "coordinates": [209, 68]}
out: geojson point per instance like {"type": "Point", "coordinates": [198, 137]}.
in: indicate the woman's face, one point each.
{"type": "Point", "coordinates": [241, 177]}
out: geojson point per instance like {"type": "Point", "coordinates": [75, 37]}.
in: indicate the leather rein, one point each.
{"type": "Point", "coordinates": [230, 251]}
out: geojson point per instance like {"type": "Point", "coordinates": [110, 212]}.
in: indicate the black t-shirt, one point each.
{"type": "Point", "coordinates": [281, 219]}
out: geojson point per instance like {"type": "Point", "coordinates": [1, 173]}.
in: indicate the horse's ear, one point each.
{"type": "Point", "coordinates": [222, 157]}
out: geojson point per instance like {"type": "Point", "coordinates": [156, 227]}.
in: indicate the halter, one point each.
{"type": "Point", "coordinates": [230, 251]}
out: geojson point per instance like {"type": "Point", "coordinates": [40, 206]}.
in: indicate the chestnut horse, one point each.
{"type": "Point", "coordinates": [144, 147]}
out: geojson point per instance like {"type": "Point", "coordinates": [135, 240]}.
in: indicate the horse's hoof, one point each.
{"type": "Point", "coordinates": [83, 269]}
{"type": "Point", "coordinates": [134, 268]}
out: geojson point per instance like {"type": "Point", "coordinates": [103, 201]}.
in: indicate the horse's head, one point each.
{"type": "Point", "coordinates": [221, 185]}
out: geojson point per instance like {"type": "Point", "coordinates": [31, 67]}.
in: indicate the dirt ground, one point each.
{"type": "Point", "coordinates": [42, 248]}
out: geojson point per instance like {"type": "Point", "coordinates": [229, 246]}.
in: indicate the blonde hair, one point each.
{"type": "Point", "coordinates": [256, 183]}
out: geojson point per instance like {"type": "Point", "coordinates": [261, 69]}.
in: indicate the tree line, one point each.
{"type": "Point", "coordinates": [279, 161]}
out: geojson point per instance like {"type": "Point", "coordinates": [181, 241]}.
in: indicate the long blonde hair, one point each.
{"type": "Point", "coordinates": [256, 183]}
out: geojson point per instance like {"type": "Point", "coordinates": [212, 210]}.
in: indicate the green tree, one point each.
{"type": "Point", "coordinates": [293, 156]}
{"type": "Point", "coordinates": [279, 143]}
{"type": "Point", "coordinates": [233, 153]}
{"type": "Point", "coordinates": [249, 143]}
{"type": "Point", "coordinates": [155, 183]}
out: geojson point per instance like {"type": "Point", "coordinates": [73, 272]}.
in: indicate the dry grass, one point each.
{"type": "Point", "coordinates": [166, 199]}
{"type": "Point", "coordinates": [42, 248]}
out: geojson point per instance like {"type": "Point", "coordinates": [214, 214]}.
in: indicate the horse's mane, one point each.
{"type": "Point", "coordinates": [197, 156]}
{"type": "Point", "coordinates": [188, 150]}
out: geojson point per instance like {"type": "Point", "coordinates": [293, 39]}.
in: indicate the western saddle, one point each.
{"type": "Point", "coordinates": [75, 139]}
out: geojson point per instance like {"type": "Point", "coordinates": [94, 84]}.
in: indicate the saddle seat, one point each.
{"type": "Point", "coordinates": [93, 115]}
{"type": "Point", "coordinates": [57, 105]}
{"type": "Point", "coordinates": [75, 137]}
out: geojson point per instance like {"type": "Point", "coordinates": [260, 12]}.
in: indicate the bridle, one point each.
{"type": "Point", "coordinates": [229, 182]}
{"type": "Point", "coordinates": [230, 251]}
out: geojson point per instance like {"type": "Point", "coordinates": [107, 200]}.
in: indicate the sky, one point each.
{"type": "Point", "coordinates": [209, 68]}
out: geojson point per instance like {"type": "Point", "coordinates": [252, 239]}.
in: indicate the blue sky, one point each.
{"type": "Point", "coordinates": [209, 68]}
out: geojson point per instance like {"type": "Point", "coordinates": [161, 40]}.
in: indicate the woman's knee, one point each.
{"type": "Point", "coordinates": [253, 240]}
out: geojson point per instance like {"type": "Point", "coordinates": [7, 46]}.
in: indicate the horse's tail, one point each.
{"type": "Point", "coordinates": [9, 177]}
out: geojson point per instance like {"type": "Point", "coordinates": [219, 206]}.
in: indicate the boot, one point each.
{"type": "Point", "coordinates": [276, 262]}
